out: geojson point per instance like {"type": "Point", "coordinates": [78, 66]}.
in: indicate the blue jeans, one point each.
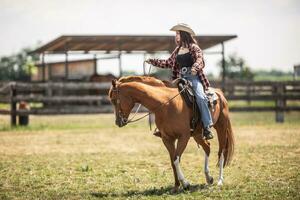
{"type": "Point", "coordinates": [201, 99]}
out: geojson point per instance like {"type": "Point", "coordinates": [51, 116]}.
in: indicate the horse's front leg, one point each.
{"type": "Point", "coordinates": [170, 145]}
{"type": "Point", "coordinates": [181, 145]}
{"type": "Point", "coordinates": [208, 177]}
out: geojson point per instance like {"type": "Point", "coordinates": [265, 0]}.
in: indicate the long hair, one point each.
{"type": "Point", "coordinates": [186, 39]}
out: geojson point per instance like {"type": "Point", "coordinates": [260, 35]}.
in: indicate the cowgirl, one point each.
{"type": "Point", "coordinates": [187, 60]}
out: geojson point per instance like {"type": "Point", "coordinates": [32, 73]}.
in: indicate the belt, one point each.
{"type": "Point", "coordinates": [185, 70]}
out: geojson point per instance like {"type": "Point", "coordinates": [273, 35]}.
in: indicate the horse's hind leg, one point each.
{"type": "Point", "coordinates": [222, 146]}
{"type": "Point", "coordinates": [206, 148]}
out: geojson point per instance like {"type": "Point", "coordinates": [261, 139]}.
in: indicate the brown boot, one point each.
{"type": "Point", "coordinates": [207, 134]}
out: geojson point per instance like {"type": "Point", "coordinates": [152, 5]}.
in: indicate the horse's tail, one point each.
{"type": "Point", "coordinates": [226, 136]}
{"type": "Point", "coordinates": [229, 148]}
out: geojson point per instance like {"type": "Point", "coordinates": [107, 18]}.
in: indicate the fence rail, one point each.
{"type": "Point", "coordinates": [81, 98]}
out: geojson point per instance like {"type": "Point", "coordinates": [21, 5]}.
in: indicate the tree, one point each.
{"type": "Point", "coordinates": [236, 68]}
{"type": "Point", "coordinates": [17, 67]}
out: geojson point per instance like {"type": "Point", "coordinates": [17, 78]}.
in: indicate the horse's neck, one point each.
{"type": "Point", "coordinates": [149, 96]}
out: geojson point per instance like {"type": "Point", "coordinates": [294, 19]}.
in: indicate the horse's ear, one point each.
{"type": "Point", "coordinates": [114, 82]}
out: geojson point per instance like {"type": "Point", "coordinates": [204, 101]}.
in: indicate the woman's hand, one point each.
{"type": "Point", "coordinates": [147, 61]}
{"type": "Point", "coordinates": [194, 71]}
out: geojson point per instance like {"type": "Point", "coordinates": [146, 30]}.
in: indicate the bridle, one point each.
{"type": "Point", "coordinates": [121, 120]}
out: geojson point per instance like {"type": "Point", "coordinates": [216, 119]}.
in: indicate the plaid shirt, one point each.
{"type": "Point", "coordinates": [197, 55]}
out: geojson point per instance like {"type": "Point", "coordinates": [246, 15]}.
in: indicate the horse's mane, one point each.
{"type": "Point", "coordinates": [146, 80]}
{"type": "Point", "coordinates": [152, 81]}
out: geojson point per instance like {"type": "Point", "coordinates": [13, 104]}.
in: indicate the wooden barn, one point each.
{"type": "Point", "coordinates": [56, 71]}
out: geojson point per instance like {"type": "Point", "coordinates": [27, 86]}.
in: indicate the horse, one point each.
{"type": "Point", "coordinates": [172, 118]}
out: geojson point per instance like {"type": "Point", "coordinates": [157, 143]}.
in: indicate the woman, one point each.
{"type": "Point", "coordinates": [187, 60]}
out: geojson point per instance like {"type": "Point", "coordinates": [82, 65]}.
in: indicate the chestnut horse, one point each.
{"type": "Point", "coordinates": [172, 118]}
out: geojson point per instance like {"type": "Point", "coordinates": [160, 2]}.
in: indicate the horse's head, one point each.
{"type": "Point", "coordinates": [122, 102]}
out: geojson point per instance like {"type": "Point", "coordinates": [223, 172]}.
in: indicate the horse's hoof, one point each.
{"type": "Point", "coordinates": [186, 186]}
{"type": "Point", "coordinates": [220, 183]}
{"type": "Point", "coordinates": [210, 180]}
{"type": "Point", "coordinates": [174, 190]}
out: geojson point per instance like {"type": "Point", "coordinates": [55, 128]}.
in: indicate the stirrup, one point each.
{"type": "Point", "coordinates": [208, 137]}
{"type": "Point", "coordinates": [207, 134]}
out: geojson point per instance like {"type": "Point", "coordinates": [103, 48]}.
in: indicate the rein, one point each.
{"type": "Point", "coordinates": [120, 114]}
{"type": "Point", "coordinates": [130, 121]}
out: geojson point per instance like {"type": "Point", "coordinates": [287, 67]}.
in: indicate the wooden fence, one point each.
{"type": "Point", "coordinates": [53, 98]}
{"type": "Point", "coordinates": [282, 96]}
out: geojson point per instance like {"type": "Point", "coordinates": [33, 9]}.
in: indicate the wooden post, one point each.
{"type": "Point", "coordinates": [223, 68]}
{"type": "Point", "coordinates": [144, 64]}
{"type": "Point", "coordinates": [230, 89]}
{"type": "Point", "coordinates": [13, 106]}
{"type": "Point", "coordinates": [66, 66]}
{"type": "Point", "coordinates": [49, 72]}
{"type": "Point", "coordinates": [120, 63]}
{"type": "Point", "coordinates": [30, 72]}
{"type": "Point", "coordinates": [43, 68]}
{"type": "Point", "coordinates": [280, 103]}
{"type": "Point", "coordinates": [95, 64]}
{"type": "Point", "coordinates": [248, 90]}
{"type": "Point", "coordinates": [49, 93]}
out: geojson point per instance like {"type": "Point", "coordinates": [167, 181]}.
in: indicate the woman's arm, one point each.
{"type": "Point", "coordinates": [198, 55]}
{"type": "Point", "coordinates": [162, 63]}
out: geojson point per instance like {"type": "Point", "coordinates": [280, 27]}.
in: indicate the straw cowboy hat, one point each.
{"type": "Point", "coordinates": [183, 27]}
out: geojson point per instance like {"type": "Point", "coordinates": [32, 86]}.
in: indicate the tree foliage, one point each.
{"type": "Point", "coordinates": [17, 67]}
{"type": "Point", "coordinates": [236, 68]}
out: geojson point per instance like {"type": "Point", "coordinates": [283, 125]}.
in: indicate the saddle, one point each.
{"type": "Point", "coordinates": [189, 97]}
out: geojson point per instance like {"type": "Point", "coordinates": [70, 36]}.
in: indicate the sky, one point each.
{"type": "Point", "coordinates": [268, 30]}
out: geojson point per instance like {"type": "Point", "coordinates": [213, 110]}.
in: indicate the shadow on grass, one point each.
{"type": "Point", "coordinates": [149, 192]}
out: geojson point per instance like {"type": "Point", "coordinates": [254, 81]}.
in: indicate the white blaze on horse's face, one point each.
{"type": "Point", "coordinates": [114, 95]}
{"type": "Point", "coordinates": [125, 107]}
{"type": "Point", "coordinates": [122, 104]}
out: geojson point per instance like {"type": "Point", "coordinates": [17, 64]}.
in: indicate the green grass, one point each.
{"type": "Point", "coordinates": [273, 78]}
{"type": "Point", "coordinates": [88, 157]}
{"type": "Point", "coordinates": [4, 106]}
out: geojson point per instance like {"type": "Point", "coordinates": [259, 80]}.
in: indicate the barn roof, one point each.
{"type": "Point", "coordinates": [128, 43]}
{"type": "Point", "coordinates": [40, 64]}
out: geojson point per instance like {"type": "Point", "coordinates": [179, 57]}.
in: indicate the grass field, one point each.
{"type": "Point", "coordinates": [88, 157]}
